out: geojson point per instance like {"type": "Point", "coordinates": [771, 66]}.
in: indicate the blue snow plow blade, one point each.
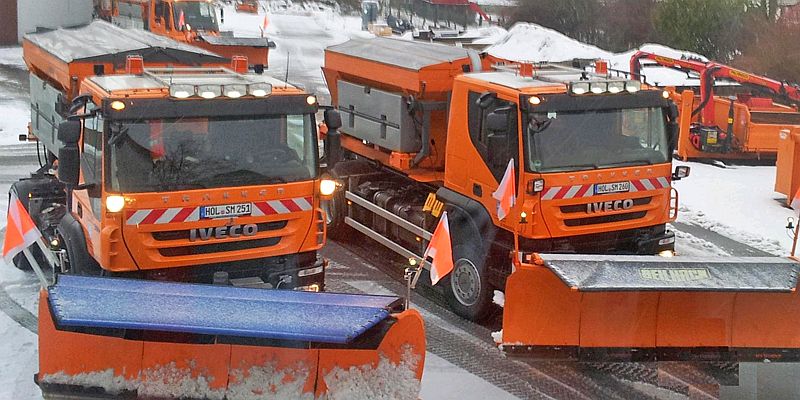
{"type": "Point", "coordinates": [95, 302]}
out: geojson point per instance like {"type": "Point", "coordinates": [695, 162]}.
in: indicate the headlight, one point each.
{"type": "Point", "coordinates": [209, 91]}
{"type": "Point", "coordinates": [616, 87]}
{"type": "Point", "coordinates": [327, 187]}
{"type": "Point", "coordinates": [598, 87]}
{"type": "Point", "coordinates": [235, 91]}
{"type": "Point", "coordinates": [115, 203]}
{"type": "Point", "coordinates": [259, 89]}
{"type": "Point", "coordinates": [633, 86]}
{"type": "Point", "coordinates": [580, 87]}
{"type": "Point", "coordinates": [181, 91]}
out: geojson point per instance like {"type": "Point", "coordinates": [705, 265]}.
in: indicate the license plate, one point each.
{"type": "Point", "coordinates": [616, 187]}
{"type": "Point", "coordinates": [228, 210]}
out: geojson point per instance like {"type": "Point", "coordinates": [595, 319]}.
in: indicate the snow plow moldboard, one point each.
{"type": "Point", "coordinates": [121, 338]}
{"type": "Point", "coordinates": [650, 308]}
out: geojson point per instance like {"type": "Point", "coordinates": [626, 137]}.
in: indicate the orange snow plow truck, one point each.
{"type": "Point", "coordinates": [190, 21]}
{"type": "Point", "coordinates": [176, 190]}
{"type": "Point", "coordinates": [427, 128]}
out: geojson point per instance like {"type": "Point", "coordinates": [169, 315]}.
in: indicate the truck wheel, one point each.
{"type": "Point", "coordinates": [78, 261]}
{"type": "Point", "coordinates": [467, 289]}
{"type": "Point", "coordinates": [334, 213]}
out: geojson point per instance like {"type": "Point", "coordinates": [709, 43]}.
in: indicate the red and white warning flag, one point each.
{"type": "Point", "coordinates": [506, 192]}
{"type": "Point", "coordinates": [796, 200]}
{"type": "Point", "coordinates": [21, 232]}
{"type": "Point", "coordinates": [440, 249]}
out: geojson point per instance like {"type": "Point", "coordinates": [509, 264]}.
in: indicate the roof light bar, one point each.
{"type": "Point", "coordinates": [259, 89]}
{"type": "Point", "coordinates": [604, 86]}
{"type": "Point", "coordinates": [181, 91]}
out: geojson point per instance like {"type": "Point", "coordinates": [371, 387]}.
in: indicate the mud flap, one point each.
{"type": "Point", "coordinates": [648, 308]}
{"type": "Point", "coordinates": [112, 338]}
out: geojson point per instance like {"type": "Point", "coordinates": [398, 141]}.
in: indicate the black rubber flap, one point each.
{"type": "Point", "coordinates": [650, 273]}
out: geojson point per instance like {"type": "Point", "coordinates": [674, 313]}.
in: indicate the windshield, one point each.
{"type": "Point", "coordinates": [572, 141]}
{"type": "Point", "coordinates": [199, 15]}
{"type": "Point", "coordinates": [198, 153]}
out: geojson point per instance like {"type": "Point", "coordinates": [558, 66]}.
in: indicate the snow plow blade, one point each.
{"type": "Point", "coordinates": [650, 308]}
{"type": "Point", "coordinates": [121, 338]}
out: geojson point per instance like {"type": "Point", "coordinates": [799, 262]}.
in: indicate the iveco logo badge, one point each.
{"type": "Point", "coordinates": [614, 205]}
{"type": "Point", "coordinates": [223, 232]}
{"type": "Point", "coordinates": [674, 275]}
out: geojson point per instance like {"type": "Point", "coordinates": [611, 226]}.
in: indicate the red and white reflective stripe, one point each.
{"type": "Point", "coordinates": [163, 215]}
{"type": "Point", "coordinates": [649, 184]}
{"type": "Point", "coordinates": [192, 214]}
{"type": "Point", "coordinates": [578, 191]}
{"type": "Point", "coordinates": [272, 207]}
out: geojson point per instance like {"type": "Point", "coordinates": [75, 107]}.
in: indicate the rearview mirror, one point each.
{"type": "Point", "coordinates": [486, 99]}
{"type": "Point", "coordinates": [333, 144]}
{"type": "Point", "coordinates": [69, 132]}
{"type": "Point", "coordinates": [681, 171]}
{"type": "Point", "coordinates": [497, 120]}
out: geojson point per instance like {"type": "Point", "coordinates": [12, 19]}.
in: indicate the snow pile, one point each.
{"type": "Point", "coordinates": [266, 382]}
{"type": "Point", "coordinates": [12, 56]}
{"type": "Point", "coordinates": [486, 35]}
{"type": "Point", "coordinates": [499, 298]}
{"type": "Point", "coordinates": [738, 202]}
{"type": "Point", "coordinates": [498, 336]}
{"type": "Point", "coordinates": [110, 383]}
{"type": "Point", "coordinates": [532, 42]}
{"type": "Point", "coordinates": [386, 381]}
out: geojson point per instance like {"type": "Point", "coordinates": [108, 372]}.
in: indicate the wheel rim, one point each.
{"type": "Point", "coordinates": [326, 208]}
{"type": "Point", "coordinates": [466, 282]}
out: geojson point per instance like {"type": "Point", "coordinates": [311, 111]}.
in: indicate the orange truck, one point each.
{"type": "Point", "coordinates": [424, 129]}
{"type": "Point", "coordinates": [428, 128]}
{"type": "Point", "coordinates": [744, 125]}
{"type": "Point", "coordinates": [190, 21]}
{"type": "Point", "coordinates": [164, 165]}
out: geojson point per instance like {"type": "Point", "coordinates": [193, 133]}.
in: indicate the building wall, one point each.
{"type": "Point", "coordinates": [33, 14]}
{"type": "Point", "coordinates": [8, 22]}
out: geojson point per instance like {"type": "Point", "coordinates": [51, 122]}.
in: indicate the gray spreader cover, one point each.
{"type": "Point", "coordinates": [103, 42]}
{"type": "Point", "coordinates": [400, 53]}
{"type": "Point", "coordinates": [651, 273]}
{"type": "Point", "coordinates": [237, 41]}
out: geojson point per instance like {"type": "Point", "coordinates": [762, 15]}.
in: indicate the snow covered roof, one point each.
{"type": "Point", "coordinates": [101, 40]}
{"type": "Point", "coordinates": [400, 53]}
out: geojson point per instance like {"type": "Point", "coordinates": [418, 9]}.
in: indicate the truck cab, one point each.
{"type": "Point", "coordinates": [171, 166]}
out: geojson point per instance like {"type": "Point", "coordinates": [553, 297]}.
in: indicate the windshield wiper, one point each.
{"type": "Point", "coordinates": [631, 162]}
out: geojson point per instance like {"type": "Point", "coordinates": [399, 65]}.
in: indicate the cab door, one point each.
{"type": "Point", "coordinates": [161, 17]}
{"type": "Point", "coordinates": [87, 203]}
{"type": "Point", "coordinates": [493, 128]}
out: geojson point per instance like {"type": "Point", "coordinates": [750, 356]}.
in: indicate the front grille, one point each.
{"type": "Point", "coordinates": [575, 208]}
{"type": "Point", "coordinates": [218, 247]}
{"type": "Point", "coordinates": [184, 234]}
{"type": "Point", "coordinates": [604, 219]}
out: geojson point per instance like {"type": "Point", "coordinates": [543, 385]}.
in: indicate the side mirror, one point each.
{"type": "Point", "coordinates": [681, 171]}
{"type": "Point", "coordinates": [486, 99]}
{"type": "Point", "coordinates": [333, 140]}
{"type": "Point", "coordinates": [69, 132]}
{"type": "Point", "coordinates": [673, 126]}
{"type": "Point", "coordinates": [497, 121]}
{"type": "Point", "coordinates": [222, 15]}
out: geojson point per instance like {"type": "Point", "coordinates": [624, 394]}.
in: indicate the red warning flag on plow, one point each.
{"type": "Point", "coordinates": [20, 230]}
{"type": "Point", "coordinates": [505, 193]}
{"type": "Point", "coordinates": [440, 249]}
{"type": "Point", "coordinates": [796, 201]}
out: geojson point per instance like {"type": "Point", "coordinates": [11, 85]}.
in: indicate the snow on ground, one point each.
{"type": "Point", "coordinates": [532, 42]}
{"type": "Point", "coordinates": [11, 56]}
{"type": "Point", "coordinates": [16, 115]}
{"type": "Point", "coordinates": [738, 202]}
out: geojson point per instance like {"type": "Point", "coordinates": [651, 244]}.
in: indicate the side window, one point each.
{"type": "Point", "coordinates": [495, 148]}
{"type": "Point", "coordinates": [92, 154]}
{"type": "Point", "coordinates": [297, 139]}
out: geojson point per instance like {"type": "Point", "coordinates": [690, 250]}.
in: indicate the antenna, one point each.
{"type": "Point", "coordinates": [286, 80]}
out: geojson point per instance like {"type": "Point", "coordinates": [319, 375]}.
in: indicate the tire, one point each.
{"type": "Point", "coordinates": [467, 289]}
{"type": "Point", "coordinates": [78, 260]}
{"type": "Point", "coordinates": [334, 209]}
